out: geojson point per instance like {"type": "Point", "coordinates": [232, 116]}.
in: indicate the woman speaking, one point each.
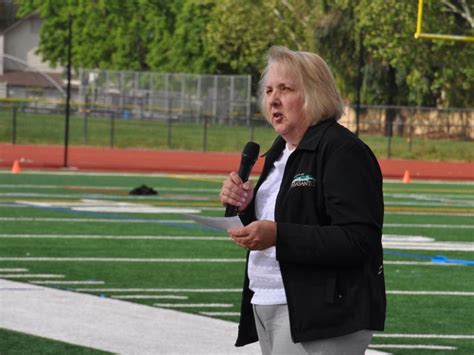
{"type": "Point", "coordinates": [314, 281]}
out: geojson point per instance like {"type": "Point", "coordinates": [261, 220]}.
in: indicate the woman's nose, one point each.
{"type": "Point", "coordinates": [274, 99]}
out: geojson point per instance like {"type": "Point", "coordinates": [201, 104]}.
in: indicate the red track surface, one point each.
{"type": "Point", "coordinates": [138, 160]}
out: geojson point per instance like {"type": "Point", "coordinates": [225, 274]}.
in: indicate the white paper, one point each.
{"type": "Point", "coordinates": [222, 223]}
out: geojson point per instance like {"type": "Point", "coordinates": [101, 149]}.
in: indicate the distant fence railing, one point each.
{"type": "Point", "coordinates": [33, 121]}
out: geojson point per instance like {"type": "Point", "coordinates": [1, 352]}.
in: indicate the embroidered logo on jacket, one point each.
{"type": "Point", "coordinates": [303, 180]}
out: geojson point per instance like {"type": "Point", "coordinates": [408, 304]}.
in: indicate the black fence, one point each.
{"type": "Point", "coordinates": [390, 128]}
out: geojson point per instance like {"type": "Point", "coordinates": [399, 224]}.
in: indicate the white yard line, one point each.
{"type": "Point", "coordinates": [426, 263]}
{"type": "Point", "coordinates": [425, 336]}
{"type": "Point", "coordinates": [117, 237]}
{"type": "Point", "coordinates": [220, 313]}
{"type": "Point", "coordinates": [113, 325]}
{"type": "Point", "coordinates": [194, 305]}
{"type": "Point", "coordinates": [171, 290]}
{"type": "Point", "coordinates": [150, 297]}
{"type": "Point", "coordinates": [31, 276]}
{"type": "Point", "coordinates": [389, 241]}
{"type": "Point", "coordinates": [429, 225]}
{"type": "Point", "coordinates": [430, 293]}
{"type": "Point", "coordinates": [434, 213]}
{"type": "Point", "coordinates": [238, 290]}
{"type": "Point", "coordinates": [95, 220]}
{"type": "Point", "coordinates": [13, 270]}
{"type": "Point", "coordinates": [53, 282]}
{"type": "Point", "coordinates": [126, 260]}
{"type": "Point", "coordinates": [412, 346]}
{"type": "Point", "coordinates": [444, 246]}
{"type": "Point", "coordinates": [172, 260]}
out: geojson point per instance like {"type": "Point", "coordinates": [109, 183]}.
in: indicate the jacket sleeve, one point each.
{"type": "Point", "coordinates": [353, 204]}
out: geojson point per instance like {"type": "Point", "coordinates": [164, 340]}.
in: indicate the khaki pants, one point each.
{"type": "Point", "coordinates": [273, 328]}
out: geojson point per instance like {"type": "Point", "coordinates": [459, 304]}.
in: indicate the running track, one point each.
{"type": "Point", "coordinates": [172, 161]}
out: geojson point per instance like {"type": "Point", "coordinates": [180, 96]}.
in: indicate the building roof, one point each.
{"type": "Point", "coordinates": [19, 21]}
{"type": "Point", "coordinates": [31, 79]}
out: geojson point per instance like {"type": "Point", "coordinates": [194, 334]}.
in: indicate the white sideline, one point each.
{"type": "Point", "coordinates": [114, 325]}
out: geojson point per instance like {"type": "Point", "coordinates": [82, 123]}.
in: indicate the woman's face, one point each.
{"type": "Point", "coordinates": [284, 104]}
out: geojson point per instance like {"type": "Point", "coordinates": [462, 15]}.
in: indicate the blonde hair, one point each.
{"type": "Point", "coordinates": [321, 98]}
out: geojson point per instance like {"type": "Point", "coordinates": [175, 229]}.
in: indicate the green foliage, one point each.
{"type": "Point", "coordinates": [232, 37]}
{"type": "Point", "coordinates": [428, 72]}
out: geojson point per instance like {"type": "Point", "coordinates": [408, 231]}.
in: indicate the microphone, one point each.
{"type": "Point", "coordinates": [249, 157]}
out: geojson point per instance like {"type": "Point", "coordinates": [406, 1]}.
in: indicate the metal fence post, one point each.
{"type": "Point", "coordinates": [112, 128]}
{"type": "Point", "coordinates": [250, 121]}
{"type": "Point", "coordinates": [410, 131]}
{"type": "Point", "coordinates": [204, 142]}
{"type": "Point", "coordinates": [14, 109]}
{"type": "Point", "coordinates": [390, 134]}
{"type": "Point", "coordinates": [170, 102]}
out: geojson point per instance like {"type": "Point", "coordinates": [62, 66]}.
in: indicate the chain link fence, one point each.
{"type": "Point", "coordinates": [200, 112]}
{"type": "Point", "coordinates": [165, 95]}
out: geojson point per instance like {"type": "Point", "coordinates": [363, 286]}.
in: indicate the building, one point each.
{"type": "Point", "coordinates": [23, 72]}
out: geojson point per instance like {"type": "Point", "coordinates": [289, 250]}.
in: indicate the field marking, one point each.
{"type": "Point", "coordinates": [429, 203]}
{"type": "Point", "coordinates": [171, 290]}
{"type": "Point", "coordinates": [390, 241]}
{"type": "Point", "coordinates": [420, 213]}
{"type": "Point", "coordinates": [427, 263]}
{"type": "Point", "coordinates": [149, 297]}
{"type": "Point", "coordinates": [425, 336]}
{"type": "Point", "coordinates": [126, 260]}
{"type": "Point", "coordinates": [209, 177]}
{"type": "Point", "coordinates": [239, 290]}
{"type": "Point", "coordinates": [429, 225]}
{"type": "Point", "coordinates": [412, 346]}
{"type": "Point", "coordinates": [180, 260]}
{"type": "Point", "coordinates": [99, 206]}
{"type": "Point", "coordinates": [13, 270]}
{"type": "Point", "coordinates": [111, 188]}
{"type": "Point", "coordinates": [430, 293]}
{"type": "Point", "coordinates": [428, 209]}
{"type": "Point", "coordinates": [187, 221]}
{"type": "Point", "coordinates": [194, 305]}
{"type": "Point", "coordinates": [118, 237]}
{"type": "Point", "coordinates": [388, 210]}
{"type": "Point", "coordinates": [53, 282]}
{"type": "Point", "coordinates": [31, 276]}
{"type": "Point", "coordinates": [97, 220]}
{"type": "Point", "coordinates": [436, 246]}
{"type": "Point", "coordinates": [103, 322]}
{"type": "Point", "coordinates": [429, 182]}
{"type": "Point", "coordinates": [220, 313]}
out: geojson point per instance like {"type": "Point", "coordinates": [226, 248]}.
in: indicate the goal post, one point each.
{"type": "Point", "coordinates": [419, 34]}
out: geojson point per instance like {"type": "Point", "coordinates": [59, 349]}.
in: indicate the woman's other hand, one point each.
{"type": "Point", "coordinates": [258, 235]}
{"type": "Point", "coordinates": [235, 192]}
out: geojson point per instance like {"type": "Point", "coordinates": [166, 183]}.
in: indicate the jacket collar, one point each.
{"type": "Point", "coordinates": [310, 140]}
{"type": "Point", "coordinates": [314, 133]}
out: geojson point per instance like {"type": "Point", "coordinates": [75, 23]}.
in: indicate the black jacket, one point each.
{"type": "Point", "coordinates": [329, 215]}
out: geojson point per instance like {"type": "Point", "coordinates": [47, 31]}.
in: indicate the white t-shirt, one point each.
{"type": "Point", "coordinates": [263, 268]}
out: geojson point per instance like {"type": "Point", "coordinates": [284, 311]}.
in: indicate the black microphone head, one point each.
{"type": "Point", "coordinates": [251, 151]}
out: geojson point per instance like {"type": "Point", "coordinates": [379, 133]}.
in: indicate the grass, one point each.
{"type": "Point", "coordinates": [160, 134]}
{"type": "Point", "coordinates": [433, 204]}
{"type": "Point", "coordinates": [13, 343]}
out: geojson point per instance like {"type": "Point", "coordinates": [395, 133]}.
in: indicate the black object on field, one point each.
{"type": "Point", "coordinates": [143, 190]}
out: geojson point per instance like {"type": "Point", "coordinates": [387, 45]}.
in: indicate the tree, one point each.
{"type": "Point", "coordinates": [189, 52]}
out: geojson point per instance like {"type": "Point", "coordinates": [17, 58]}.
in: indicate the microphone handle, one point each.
{"type": "Point", "coordinates": [231, 211]}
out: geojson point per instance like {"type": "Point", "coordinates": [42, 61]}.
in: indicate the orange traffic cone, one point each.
{"type": "Point", "coordinates": [16, 167]}
{"type": "Point", "coordinates": [406, 177]}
